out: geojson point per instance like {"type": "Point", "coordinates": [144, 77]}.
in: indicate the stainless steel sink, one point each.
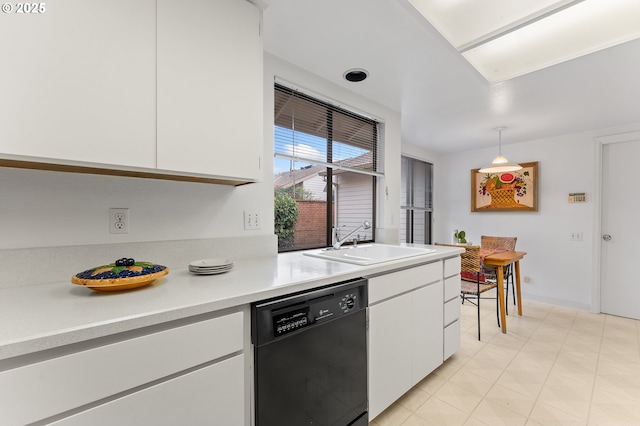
{"type": "Point", "coordinates": [369, 254]}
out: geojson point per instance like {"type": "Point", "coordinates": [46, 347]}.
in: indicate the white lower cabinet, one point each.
{"type": "Point", "coordinates": [155, 378]}
{"type": "Point", "coordinates": [452, 308]}
{"type": "Point", "coordinates": [451, 338]}
{"type": "Point", "coordinates": [426, 330]}
{"type": "Point", "coordinates": [389, 353]}
{"type": "Point", "coordinates": [212, 395]}
{"type": "Point", "coordinates": [405, 332]}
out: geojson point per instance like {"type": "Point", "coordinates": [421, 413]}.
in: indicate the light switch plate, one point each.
{"type": "Point", "coordinates": [251, 221]}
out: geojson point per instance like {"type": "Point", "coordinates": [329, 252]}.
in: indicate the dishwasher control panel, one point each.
{"type": "Point", "coordinates": [276, 318]}
{"type": "Point", "coordinates": [291, 321]}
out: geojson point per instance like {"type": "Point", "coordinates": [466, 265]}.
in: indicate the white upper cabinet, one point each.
{"type": "Point", "coordinates": [166, 88]}
{"type": "Point", "coordinates": [77, 82]}
{"type": "Point", "coordinates": [209, 87]}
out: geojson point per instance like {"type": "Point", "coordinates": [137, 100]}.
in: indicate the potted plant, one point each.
{"type": "Point", "coordinates": [461, 237]}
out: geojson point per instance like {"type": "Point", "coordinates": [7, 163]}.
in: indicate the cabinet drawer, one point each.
{"type": "Point", "coordinates": [69, 381]}
{"type": "Point", "coordinates": [452, 266]}
{"type": "Point", "coordinates": [451, 288]}
{"type": "Point", "coordinates": [215, 395]}
{"type": "Point", "coordinates": [451, 311]}
{"type": "Point", "coordinates": [451, 339]}
{"type": "Point", "coordinates": [386, 286]}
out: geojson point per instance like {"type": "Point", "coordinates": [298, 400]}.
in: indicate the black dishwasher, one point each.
{"type": "Point", "coordinates": [310, 357]}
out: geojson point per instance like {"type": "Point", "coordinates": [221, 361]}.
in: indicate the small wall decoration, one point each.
{"type": "Point", "coordinates": [506, 191]}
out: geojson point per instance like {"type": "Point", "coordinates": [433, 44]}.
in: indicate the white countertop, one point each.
{"type": "Point", "coordinates": [46, 316]}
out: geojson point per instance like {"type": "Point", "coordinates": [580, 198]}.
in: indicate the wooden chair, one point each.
{"type": "Point", "coordinates": [470, 262]}
{"type": "Point", "coordinates": [501, 243]}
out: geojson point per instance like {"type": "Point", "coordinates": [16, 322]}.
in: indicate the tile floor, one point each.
{"type": "Point", "coordinates": [555, 366]}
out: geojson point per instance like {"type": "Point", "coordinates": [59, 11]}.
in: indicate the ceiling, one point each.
{"type": "Point", "coordinates": [446, 105]}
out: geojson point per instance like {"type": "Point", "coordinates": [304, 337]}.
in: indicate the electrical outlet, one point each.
{"type": "Point", "coordinates": [576, 236]}
{"type": "Point", "coordinates": [251, 221]}
{"type": "Point", "coordinates": [118, 221]}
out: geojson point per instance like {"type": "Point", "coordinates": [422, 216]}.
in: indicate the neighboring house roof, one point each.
{"type": "Point", "coordinates": [364, 162]}
{"type": "Point", "coordinates": [293, 177]}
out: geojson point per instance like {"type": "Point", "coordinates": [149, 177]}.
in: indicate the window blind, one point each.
{"type": "Point", "coordinates": [416, 201]}
{"type": "Point", "coordinates": [317, 133]}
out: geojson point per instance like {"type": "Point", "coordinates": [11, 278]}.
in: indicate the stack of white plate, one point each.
{"type": "Point", "coordinates": [210, 266]}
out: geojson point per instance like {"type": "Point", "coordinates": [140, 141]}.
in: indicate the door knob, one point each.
{"type": "Point", "coordinates": [606, 237]}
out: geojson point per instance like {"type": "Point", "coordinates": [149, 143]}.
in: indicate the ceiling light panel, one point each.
{"type": "Point", "coordinates": [467, 22]}
{"type": "Point", "coordinates": [503, 39]}
{"type": "Point", "coordinates": [584, 28]}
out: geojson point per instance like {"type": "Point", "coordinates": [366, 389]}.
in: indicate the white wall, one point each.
{"type": "Point", "coordinates": [41, 208]}
{"type": "Point", "coordinates": [561, 271]}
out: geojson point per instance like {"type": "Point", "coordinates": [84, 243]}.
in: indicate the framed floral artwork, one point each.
{"type": "Point", "coordinates": [506, 191]}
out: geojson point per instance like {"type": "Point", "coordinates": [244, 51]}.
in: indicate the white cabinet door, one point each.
{"type": "Point", "coordinates": [213, 395]}
{"type": "Point", "coordinates": [77, 82]}
{"type": "Point", "coordinates": [405, 344]}
{"type": "Point", "coordinates": [426, 311]}
{"type": "Point", "coordinates": [209, 87]}
{"type": "Point", "coordinates": [389, 346]}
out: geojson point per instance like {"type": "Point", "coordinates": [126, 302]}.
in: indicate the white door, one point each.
{"type": "Point", "coordinates": [620, 281]}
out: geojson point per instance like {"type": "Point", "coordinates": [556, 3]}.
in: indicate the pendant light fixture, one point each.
{"type": "Point", "coordinates": [500, 163]}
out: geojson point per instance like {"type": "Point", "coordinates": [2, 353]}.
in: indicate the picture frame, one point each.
{"type": "Point", "coordinates": [506, 191]}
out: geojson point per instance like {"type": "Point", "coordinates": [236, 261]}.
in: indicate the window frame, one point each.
{"type": "Point", "coordinates": [331, 168]}
{"type": "Point", "coordinates": [409, 208]}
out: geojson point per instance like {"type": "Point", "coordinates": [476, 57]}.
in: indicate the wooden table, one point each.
{"type": "Point", "coordinates": [501, 260]}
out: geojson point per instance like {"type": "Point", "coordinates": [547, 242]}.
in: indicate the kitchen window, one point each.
{"type": "Point", "coordinates": [326, 162]}
{"type": "Point", "coordinates": [416, 200]}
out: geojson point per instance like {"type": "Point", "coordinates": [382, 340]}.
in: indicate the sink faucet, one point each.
{"type": "Point", "coordinates": [337, 242]}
